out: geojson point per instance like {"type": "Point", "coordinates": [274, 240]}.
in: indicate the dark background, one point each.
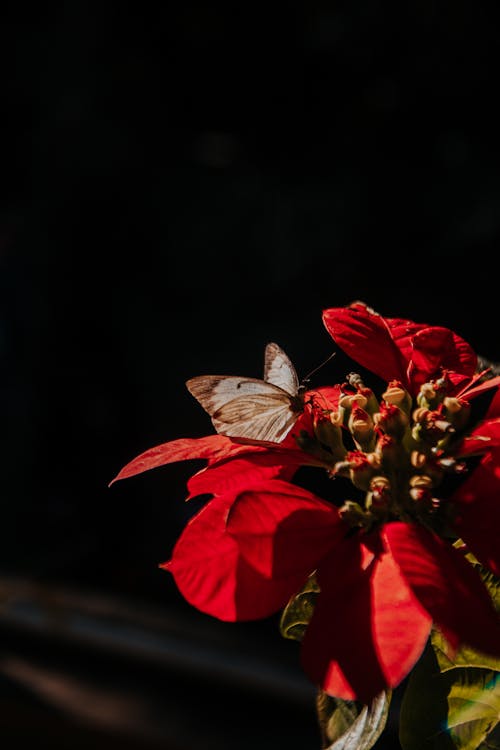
{"type": "Point", "coordinates": [180, 185]}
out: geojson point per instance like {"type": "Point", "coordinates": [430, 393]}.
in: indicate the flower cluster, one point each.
{"type": "Point", "coordinates": [417, 466]}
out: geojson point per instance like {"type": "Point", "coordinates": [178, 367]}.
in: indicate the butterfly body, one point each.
{"type": "Point", "coordinates": [251, 408]}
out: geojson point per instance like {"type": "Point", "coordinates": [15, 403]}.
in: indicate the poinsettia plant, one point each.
{"type": "Point", "coordinates": [391, 578]}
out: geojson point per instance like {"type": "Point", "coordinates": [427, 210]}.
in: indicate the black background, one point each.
{"type": "Point", "coordinates": [181, 184]}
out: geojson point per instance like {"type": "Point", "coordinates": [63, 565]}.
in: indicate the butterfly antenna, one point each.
{"type": "Point", "coordinates": [308, 377]}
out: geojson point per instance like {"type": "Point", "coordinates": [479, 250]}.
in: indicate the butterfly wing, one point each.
{"type": "Point", "coordinates": [279, 370]}
{"type": "Point", "coordinates": [246, 407]}
{"type": "Point", "coordinates": [264, 416]}
{"type": "Point", "coordinates": [214, 391]}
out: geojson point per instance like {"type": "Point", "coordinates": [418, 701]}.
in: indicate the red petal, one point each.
{"type": "Point", "coordinates": [447, 585]}
{"type": "Point", "coordinates": [367, 630]}
{"type": "Point", "coordinates": [212, 575]}
{"type": "Point", "coordinates": [213, 447]}
{"type": "Point", "coordinates": [394, 348]}
{"type": "Point", "coordinates": [237, 474]}
{"type": "Point", "coordinates": [365, 337]}
{"type": "Point", "coordinates": [477, 506]}
{"type": "Point", "coordinates": [456, 355]}
{"type": "Point", "coordinates": [283, 530]}
{"type": "Point", "coordinates": [434, 348]}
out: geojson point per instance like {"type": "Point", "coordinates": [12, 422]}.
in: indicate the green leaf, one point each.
{"type": "Point", "coordinates": [453, 710]}
{"type": "Point", "coordinates": [474, 706]}
{"type": "Point", "coordinates": [299, 610]}
{"type": "Point", "coordinates": [464, 657]}
{"type": "Point", "coordinates": [350, 724]}
{"type": "Point", "coordinates": [492, 583]}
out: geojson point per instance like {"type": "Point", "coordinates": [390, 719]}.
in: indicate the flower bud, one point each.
{"type": "Point", "coordinates": [379, 497]}
{"type": "Point", "coordinates": [361, 426]}
{"type": "Point", "coordinates": [398, 396]}
{"type": "Point", "coordinates": [357, 467]}
{"type": "Point", "coordinates": [421, 493]}
{"type": "Point", "coordinates": [430, 426]}
{"type": "Point", "coordinates": [389, 452]}
{"type": "Point", "coordinates": [427, 396]}
{"type": "Point", "coordinates": [420, 480]}
{"type": "Point", "coordinates": [380, 489]}
{"type": "Point", "coordinates": [349, 400]}
{"type": "Point", "coordinates": [355, 380]}
{"type": "Point", "coordinates": [432, 394]}
{"type": "Point", "coordinates": [328, 430]}
{"type": "Point", "coordinates": [392, 420]}
{"type": "Point", "coordinates": [372, 405]}
{"type": "Point", "coordinates": [457, 411]}
{"type": "Point", "coordinates": [417, 459]}
{"type": "Point", "coordinates": [420, 415]}
{"type": "Point", "coordinates": [374, 460]}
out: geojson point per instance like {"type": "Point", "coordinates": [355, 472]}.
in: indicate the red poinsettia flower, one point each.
{"type": "Point", "coordinates": [425, 472]}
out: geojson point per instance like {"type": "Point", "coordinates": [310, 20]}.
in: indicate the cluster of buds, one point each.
{"type": "Point", "coordinates": [395, 451]}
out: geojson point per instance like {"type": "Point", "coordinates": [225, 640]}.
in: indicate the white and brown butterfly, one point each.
{"type": "Point", "coordinates": [251, 408]}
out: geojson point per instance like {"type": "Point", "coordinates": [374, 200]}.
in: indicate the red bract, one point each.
{"type": "Point", "coordinates": [234, 559]}
{"type": "Point", "coordinates": [386, 566]}
{"type": "Point", "coordinates": [477, 500]}
{"type": "Point", "coordinates": [256, 459]}
{"type": "Point", "coordinates": [231, 464]}
{"type": "Point", "coordinates": [397, 349]}
{"type": "Point", "coordinates": [380, 593]}
{"type": "Point", "coordinates": [242, 557]}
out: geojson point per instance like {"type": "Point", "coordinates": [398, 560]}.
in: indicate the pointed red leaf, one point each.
{"type": "Point", "coordinates": [213, 575]}
{"type": "Point", "coordinates": [214, 447]}
{"type": "Point", "coordinates": [477, 509]}
{"type": "Point", "coordinates": [368, 629]}
{"type": "Point", "coordinates": [283, 530]}
{"type": "Point", "coordinates": [365, 337]}
{"type": "Point", "coordinates": [446, 584]}
{"type": "Point", "coordinates": [394, 348]}
{"type": "Point", "coordinates": [419, 343]}
{"type": "Point", "coordinates": [435, 347]}
{"type": "Point", "coordinates": [237, 474]}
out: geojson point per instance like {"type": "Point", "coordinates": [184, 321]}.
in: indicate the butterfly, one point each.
{"type": "Point", "coordinates": [251, 408]}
